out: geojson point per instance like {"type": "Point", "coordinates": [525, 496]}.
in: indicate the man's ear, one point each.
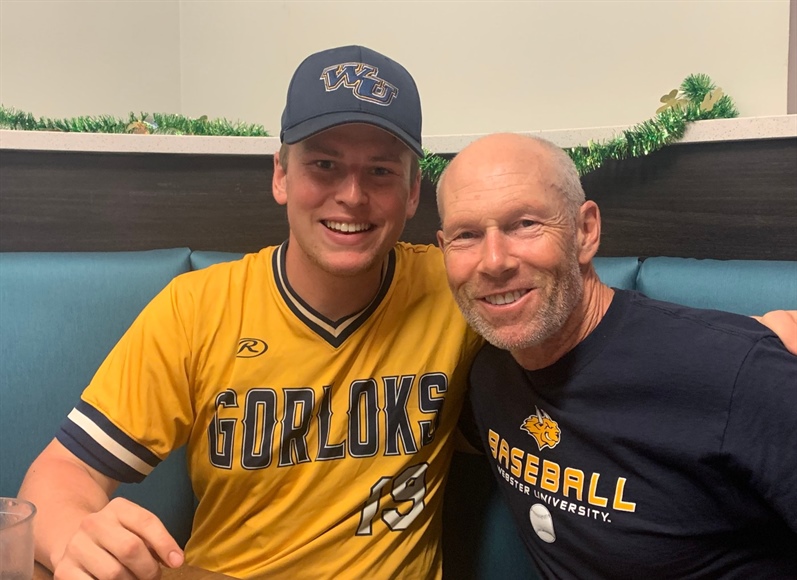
{"type": "Point", "coordinates": [279, 186]}
{"type": "Point", "coordinates": [415, 195]}
{"type": "Point", "coordinates": [441, 241]}
{"type": "Point", "coordinates": [589, 231]}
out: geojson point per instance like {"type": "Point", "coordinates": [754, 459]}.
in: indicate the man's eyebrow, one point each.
{"type": "Point", "coordinates": [457, 223]}
{"type": "Point", "coordinates": [318, 148]}
{"type": "Point", "coordinates": [323, 150]}
{"type": "Point", "coordinates": [387, 158]}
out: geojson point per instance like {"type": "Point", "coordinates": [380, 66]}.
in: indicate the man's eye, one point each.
{"type": "Point", "coordinates": [324, 164]}
{"type": "Point", "coordinates": [465, 236]}
{"type": "Point", "coordinates": [381, 171]}
{"type": "Point", "coordinates": [527, 223]}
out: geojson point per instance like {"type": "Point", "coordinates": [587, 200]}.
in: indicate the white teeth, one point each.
{"type": "Point", "coordinates": [347, 228]}
{"type": "Point", "coordinates": [501, 299]}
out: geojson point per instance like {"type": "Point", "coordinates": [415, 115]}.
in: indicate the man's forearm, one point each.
{"type": "Point", "coordinates": [64, 492]}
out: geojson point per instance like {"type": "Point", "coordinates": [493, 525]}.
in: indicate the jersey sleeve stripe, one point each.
{"type": "Point", "coordinates": [105, 425]}
{"type": "Point", "coordinates": [86, 449]}
{"type": "Point", "coordinates": [113, 447]}
{"type": "Point", "coordinates": [91, 436]}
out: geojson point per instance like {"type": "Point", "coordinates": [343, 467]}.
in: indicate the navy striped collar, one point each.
{"type": "Point", "coordinates": [335, 332]}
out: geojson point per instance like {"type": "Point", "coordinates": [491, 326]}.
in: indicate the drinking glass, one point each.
{"type": "Point", "coordinates": [16, 539]}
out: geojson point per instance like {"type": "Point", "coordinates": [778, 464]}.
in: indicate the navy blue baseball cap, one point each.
{"type": "Point", "coordinates": [352, 84]}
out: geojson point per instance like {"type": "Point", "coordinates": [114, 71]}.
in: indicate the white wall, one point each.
{"type": "Point", "coordinates": [480, 66]}
{"type": "Point", "coordinates": [63, 58]}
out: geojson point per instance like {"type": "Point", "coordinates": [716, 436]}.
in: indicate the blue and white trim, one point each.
{"type": "Point", "coordinates": [88, 434]}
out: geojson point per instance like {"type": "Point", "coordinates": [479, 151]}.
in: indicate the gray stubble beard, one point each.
{"type": "Point", "coordinates": [566, 293]}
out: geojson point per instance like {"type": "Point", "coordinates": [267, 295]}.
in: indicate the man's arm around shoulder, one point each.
{"type": "Point", "coordinates": [79, 530]}
{"type": "Point", "coordinates": [784, 324]}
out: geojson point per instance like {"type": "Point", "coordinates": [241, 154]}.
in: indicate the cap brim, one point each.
{"type": "Point", "coordinates": [323, 122]}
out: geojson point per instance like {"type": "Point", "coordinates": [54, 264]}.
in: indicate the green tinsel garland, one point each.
{"type": "Point", "coordinates": [701, 100]}
{"type": "Point", "coordinates": [697, 99]}
{"type": "Point", "coordinates": [156, 124]}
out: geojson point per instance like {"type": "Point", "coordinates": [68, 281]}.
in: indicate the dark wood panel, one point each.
{"type": "Point", "coordinates": [64, 201]}
{"type": "Point", "coordinates": [732, 200]}
{"type": "Point", "coordinates": [712, 200]}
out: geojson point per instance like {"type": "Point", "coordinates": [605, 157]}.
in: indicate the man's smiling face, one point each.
{"type": "Point", "coordinates": [349, 192]}
{"type": "Point", "coordinates": [510, 244]}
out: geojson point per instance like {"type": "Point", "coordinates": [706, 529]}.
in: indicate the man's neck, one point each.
{"type": "Point", "coordinates": [332, 296]}
{"type": "Point", "coordinates": [581, 322]}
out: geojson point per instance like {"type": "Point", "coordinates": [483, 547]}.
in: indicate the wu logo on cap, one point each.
{"type": "Point", "coordinates": [362, 80]}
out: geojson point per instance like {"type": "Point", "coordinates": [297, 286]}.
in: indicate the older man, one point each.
{"type": "Point", "coordinates": [631, 438]}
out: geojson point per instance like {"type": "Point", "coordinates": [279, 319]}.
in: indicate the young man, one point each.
{"type": "Point", "coordinates": [631, 438]}
{"type": "Point", "coordinates": [317, 384]}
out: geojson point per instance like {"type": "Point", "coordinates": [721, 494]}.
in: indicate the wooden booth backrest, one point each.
{"type": "Point", "coordinates": [722, 200]}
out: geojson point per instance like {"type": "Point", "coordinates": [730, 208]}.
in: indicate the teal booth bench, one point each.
{"type": "Point", "coordinates": [60, 314]}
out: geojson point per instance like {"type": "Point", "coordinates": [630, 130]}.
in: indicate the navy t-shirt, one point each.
{"type": "Point", "coordinates": [663, 446]}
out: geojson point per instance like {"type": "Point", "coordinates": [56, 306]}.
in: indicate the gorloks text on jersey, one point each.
{"type": "Point", "coordinates": [280, 422]}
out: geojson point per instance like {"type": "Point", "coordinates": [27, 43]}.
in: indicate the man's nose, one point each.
{"type": "Point", "coordinates": [352, 191]}
{"type": "Point", "coordinates": [497, 257]}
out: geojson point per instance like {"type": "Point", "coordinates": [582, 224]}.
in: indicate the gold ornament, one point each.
{"type": "Point", "coordinates": [671, 101]}
{"type": "Point", "coordinates": [711, 99]}
{"type": "Point", "coordinates": [138, 128]}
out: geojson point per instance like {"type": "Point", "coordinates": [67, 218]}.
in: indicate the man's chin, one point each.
{"type": "Point", "coordinates": [510, 341]}
{"type": "Point", "coordinates": [510, 334]}
{"type": "Point", "coordinates": [500, 336]}
{"type": "Point", "coordinates": [350, 265]}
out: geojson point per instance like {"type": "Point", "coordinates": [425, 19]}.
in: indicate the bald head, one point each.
{"type": "Point", "coordinates": [494, 157]}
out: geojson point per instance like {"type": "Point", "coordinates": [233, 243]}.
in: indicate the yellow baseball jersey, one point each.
{"type": "Point", "coordinates": [317, 448]}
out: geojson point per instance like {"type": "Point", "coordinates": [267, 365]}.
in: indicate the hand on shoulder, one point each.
{"type": "Point", "coordinates": [784, 324]}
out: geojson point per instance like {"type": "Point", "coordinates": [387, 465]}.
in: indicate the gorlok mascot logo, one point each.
{"type": "Point", "coordinates": [544, 429]}
{"type": "Point", "coordinates": [362, 80]}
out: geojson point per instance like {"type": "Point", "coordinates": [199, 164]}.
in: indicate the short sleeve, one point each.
{"type": "Point", "coordinates": [761, 435]}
